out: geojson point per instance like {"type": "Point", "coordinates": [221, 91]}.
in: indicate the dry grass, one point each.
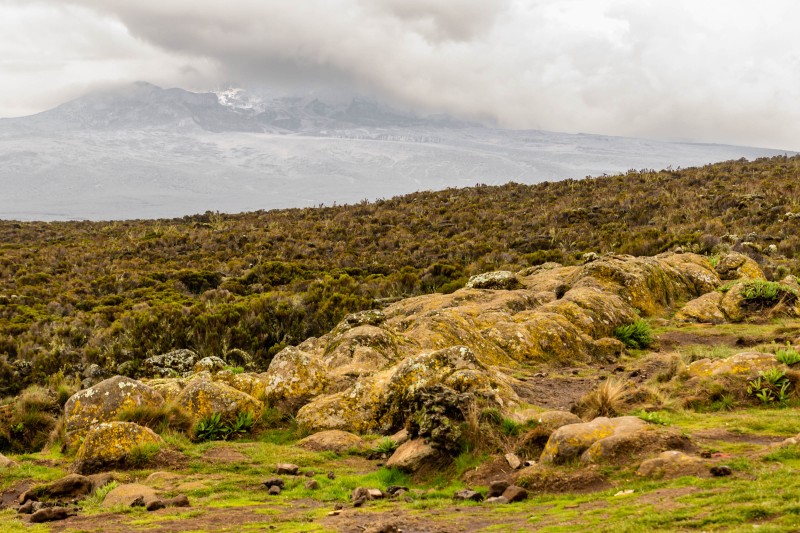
{"type": "Point", "coordinates": [608, 399]}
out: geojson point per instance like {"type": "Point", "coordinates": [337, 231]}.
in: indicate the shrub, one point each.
{"type": "Point", "coordinates": [636, 336]}
{"type": "Point", "coordinates": [386, 445]}
{"type": "Point", "coordinates": [215, 428]}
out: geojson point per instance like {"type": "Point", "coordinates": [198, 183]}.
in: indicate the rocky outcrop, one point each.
{"type": "Point", "coordinates": [705, 309]}
{"type": "Point", "coordinates": [108, 445]}
{"type": "Point", "coordinates": [738, 266]}
{"type": "Point", "coordinates": [103, 403]}
{"type": "Point", "coordinates": [498, 280]}
{"type": "Point", "coordinates": [170, 364]}
{"type": "Point", "coordinates": [293, 378]}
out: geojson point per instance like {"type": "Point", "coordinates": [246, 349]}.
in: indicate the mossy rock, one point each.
{"type": "Point", "coordinates": [704, 309]}
{"type": "Point", "coordinates": [108, 445]}
{"type": "Point", "coordinates": [293, 378]}
{"type": "Point", "coordinates": [569, 442]}
{"type": "Point", "coordinates": [203, 397]}
{"type": "Point", "coordinates": [333, 440]}
{"type": "Point", "coordinates": [743, 364]}
{"type": "Point", "coordinates": [103, 403]}
{"type": "Point", "coordinates": [738, 266]}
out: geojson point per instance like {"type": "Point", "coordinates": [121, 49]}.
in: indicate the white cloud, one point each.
{"type": "Point", "coordinates": [722, 71]}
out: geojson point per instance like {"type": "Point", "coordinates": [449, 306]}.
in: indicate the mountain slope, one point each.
{"type": "Point", "coordinates": [146, 152]}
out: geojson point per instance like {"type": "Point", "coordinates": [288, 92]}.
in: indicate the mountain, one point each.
{"type": "Point", "coordinates": [141, 151]}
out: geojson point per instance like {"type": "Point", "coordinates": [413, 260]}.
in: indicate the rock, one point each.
{"type": "Point", "coordinates": [155, 505]}
{"type": "Point", "coordinates": [52, 514]}
{"type": "Point", "coordinates": [671, 464]}
{"type": "Point", "coordinates": [370, 317]}
{"type": "Point", "coordinates": [5, 462]}
{"type": "Point", "coordinates": [498, 280]}
{"type": "Point", "coordinates": [211, 364]}
{"type": "Point", "coordinates": [468, 495]}
{"type": "Point", "coordinates": [401, 437]}
{"type": "Point", "coordinates": [253, 384]}
{"type": "Point", "coordinates": [333, 440]}
{"type": "Point", "coordinates": [128, 494]}
{"type": "Point", "coordinates": [274, 490]}
{"type": "Point", "coordinates": [178, 501]}
{"type": "Point", "coordinates": [705, 309]}
{"type": "Point", "coordinates": [74, 486]}
{"type": "Point", "coordinates": [287, 469]}
{"type": "Point", "coordinates": [331, 475]}
{"type": "Point", "coordinates": [274, 482]}
{"type": "Point", "coordinates": [497, 499]}
{"type": "Point", "coordinates": [366, 494]}
{"type": "Point", "coordinates": [108, 445]}
{"type": "Point", "coordinates": [311, 484]}
{"type": "Point", "coordinates": [170, 364]}
{"type": "Point", "coordinates": [26, 496]}
{"type": "Point", "coordinates": [394, 490]}
{"type": "Point", "coordinates": [738, 266]}
{"type": "Point", "coordinates": [375, 494]}
{"type": "Point", "coordinates": [721, 470]}
{"type": "Point", "coordinates": [203, 397]}
{"type": "Point", "coordinates": [26, 508]}
{"type": "Point", "coordinates": [745, 364]}
{"type": "Point", "coordinates": [569, 442]}
{"type": "Point", "coordinates": [415, 455]}
{"type": "Point", "coordinates": [629, 444]}
{"type": "Point", "coordinates": [607, 349]}
{"type": "Point", "coordinates": [498, 487]}
{"type": "Point", "coordinates": [513, 461]}
{"type": "Point", "coordinates": [103, 403]}
{"type": "Point", "coordinates": [293, 378]}
{"type": "Point", "coordinates": [515, 494]}
{"type": "Point", "coordinates": [100, 480]}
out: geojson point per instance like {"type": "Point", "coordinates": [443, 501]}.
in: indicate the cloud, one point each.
{"type": "Point", "coordinates": [716, 70]}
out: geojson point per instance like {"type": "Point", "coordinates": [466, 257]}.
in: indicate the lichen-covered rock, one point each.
{"type": "Point", "coordinates": [103, 403]}
{"type": "Point", "coordinates": [107, 445]}
{"type": "Point", "coordinates": [625, 445]}
{"type": "Point", "coordinates": [671, 464]}
{"type": "Point", "coordinates": [498, 280]}
{"type": "Point", "coordinates": [745, 364]}
{"type": "Point", "coordinates": [370, 317]}
{"type": "Point", "coordinates": [170, 364]}
{"type": "Point", "coordinates": [210, 364]}
{"type": "Point", "coordinates": [130, 494]}
{"type": "Point", "coordinates": [535, 439]}
{"type": "Point", "coordinates": [569, 442]}
{"type": "Point", "coordinates": [331, 441]}
{"type": "Point", "coordinates": [253, 384]}
{"type": "Point", "coordinates": [416, 455]}
{"type": "Point", "coordinates": [359, 350]}
{"type": "Point", "coordinates": [203, 397]}
{"type": "Point", "coordinates": [293, 378]}
{"type": "Point", "coordinates": [738, 266]}
{"type": "Point", "coordinates": [169, 388]}
{"type": "Point", "coordinates": [607, 349]}
{"type": "Point", "coordinates": [705, 309]}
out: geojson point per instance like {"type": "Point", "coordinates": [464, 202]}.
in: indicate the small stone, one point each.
{"type": "Point", "coordinates": [274, 482]}
{"type": "Point", "coordinates": [721, 470]}
{"type": "Point", "coordinates": [394, 489]}
{"type": "Point", "coordinates": [336, 512]}
{"type": "Point", "coordinates": [28, 495]}
{"type": "Point", "coordinates": [375, 494]}
{"type": "Point", "coordinates": [497, 488]}
{"type": "Point", "coordinates": [274, 490]}
{"type": "Point", "coordinates": [359, 502]}
{"type": "Point", "coordinates": [338, 506]}
{"type": "Point", "coordinates": [310, 473]}
{"type": "Point", "coordinates": [155, 505]}
{"type": "Point", "coordinates": [497, 499]}
{"type": "Point", "coordinates": [530, 463]}
{"type": "Point", "coordinates": [138, 502]}
{"type": "Point", "coordinates": [468, 495]}
{"type": "Point", "coordinates": [51, 514]}
{"type": "Point", "coordinates": [286, 469]}
{"type": "Point", "coordinates": [515, 494]}
{"type": "Point", "coordinates": [178, 501]}
{"type": "Point", "coordinates": [26, 508]}
{"type": "Point", "coordinates": [624, 492]}
{"type": "Point", "coordinates": [331, 475]}
{"type": "Point", "coordinates": [513, 461]}
{"type": "Point", "coordinates": [312, 484]}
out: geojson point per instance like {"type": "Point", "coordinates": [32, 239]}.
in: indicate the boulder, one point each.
{"type": "Point", "coordinates": [52, 514]}
{"type": "Point", "coordinates": [170, 364]}
{"type": "Point", "coordinates": [108, 445]}
{"type": "Point", "coordinates": [169, 388]}
{"type": "Point", "coordinates": [515, 494]}
{"type": "Point", "coordinates": [705, 309]}
{"type": "Point", "coordinates": [738, 266]}
{"type": "Point", "coordinates": [466, 495]}
{"type": "Point", "coordinates": [359, 350]}
{"type": "Point", "coordinates": [293, 378]}
{"type": "Point", "coordinates": [103, 403]}
{"type": "Point", "coordinates": [742, 364]}
{"type": "Point", "coordinates": [333, 440]}
{"type": "Point", "coordinates": [624, 446]}
{"type": "Point", "coordinates": [129, 495]}
{"type": "Point", "coordinates": [498, 280]}
{"type": "Point", "coordinates": [671, 464]}
{"type": "Point", "coordinates": [607, 349]}
{"type": "Point", "coordinates": [253, 384]}
{"type": "Point", "coordinates": [72, 486]}
{"type": "Point", "coordinates": [5, 462]}
{"type": "Point", "coordinates": [203, 397]}
{"type": "Point", "coordinates": [569, 442]}
{"type": "Point", "coordinates": [416, 455]}
{"type": "Point", "coordinates": [288, 469]}
{"type": "Point", "coordinates": [211, 364]}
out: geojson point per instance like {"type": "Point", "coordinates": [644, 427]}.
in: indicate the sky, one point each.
{"type": "Point", "coordinates": [711, 70]}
